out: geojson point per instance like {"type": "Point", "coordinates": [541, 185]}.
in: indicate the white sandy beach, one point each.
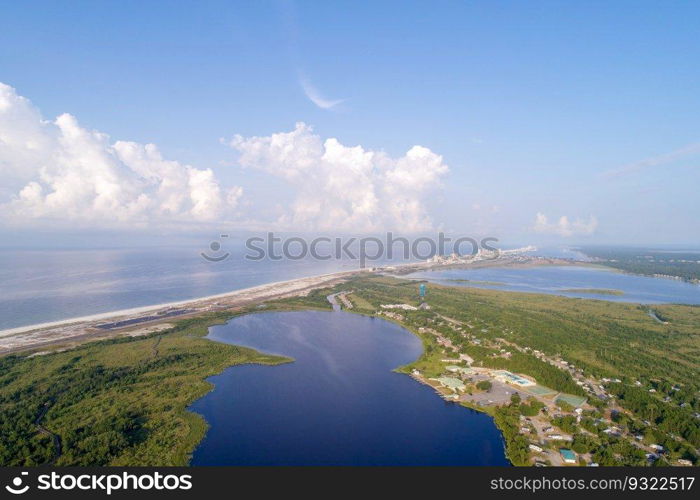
{"type": "Point", "coordinates": [251, 293]}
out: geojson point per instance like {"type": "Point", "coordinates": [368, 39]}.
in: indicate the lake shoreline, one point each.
{"type": "Point", "coordinates": [398, 369]}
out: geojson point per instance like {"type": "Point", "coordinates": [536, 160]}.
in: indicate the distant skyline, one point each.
{"type": "Point", "coordinates": [538, 122]}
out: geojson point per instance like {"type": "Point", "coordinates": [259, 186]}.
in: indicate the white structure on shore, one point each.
{"type": "Point", "coordinates": [515, 251]}
{"type": "Point", "coordinates": [405, 307]}
{"type": "Point", "coordinates": [481, 254]}
{"type": "Point", "coordinates": [511, 378]}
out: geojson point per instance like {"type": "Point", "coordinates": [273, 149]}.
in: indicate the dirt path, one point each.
{"type": "Point", "coordinates": [43, 430]}
{"type": "Point", "coordinates": [154, 349]}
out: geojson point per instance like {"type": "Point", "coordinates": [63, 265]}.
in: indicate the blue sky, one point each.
{"type": "Point", "coordinates": [583, 110]}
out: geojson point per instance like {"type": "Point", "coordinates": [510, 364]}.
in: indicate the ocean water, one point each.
{"type": "Point", "coordinates": [38, 286]}
{"type": "Point", "coordinates": [338, 403]}
{"type": "Point", "coordinates": [557, 279]}
{"type": "Point", "coordinates": [41, 286]}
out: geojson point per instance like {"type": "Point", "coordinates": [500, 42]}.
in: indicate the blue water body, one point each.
{"type": "Point", "coordinates": [556, 279]}
{"type": "Point", "coordinates": [38, 286]}
{"type": "Point", "coordinates": [338, 403]}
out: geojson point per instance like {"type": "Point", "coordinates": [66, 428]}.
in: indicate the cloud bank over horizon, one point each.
{"type": "Point", "coordinates": [59, 172]}
{"type": "Point", "coordinates": [346, 188]}
{"type": "Point", "coordinates": [564, 227]}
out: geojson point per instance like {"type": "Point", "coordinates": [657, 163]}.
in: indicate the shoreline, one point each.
{"type": "Point", "coordinates": [286, 358]}
{"type": "Point", "coordinates": [398, 269]}
{"type": "Point", "coordinates": [122, 322]}
{"type": "Point", "coordinates": [155, 307]}
{"type": "Point", "coordinates": [407, 370]}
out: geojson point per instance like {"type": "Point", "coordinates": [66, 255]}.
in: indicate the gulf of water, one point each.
{"type": "Point", "coordinates": [39, 286]}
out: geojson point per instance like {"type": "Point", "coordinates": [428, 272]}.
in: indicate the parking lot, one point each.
{"type": "Point", "coordinates": [499, 393]}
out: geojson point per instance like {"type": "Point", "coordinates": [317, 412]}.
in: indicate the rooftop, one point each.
{"type": "Point", "coordinates": [452, 383]}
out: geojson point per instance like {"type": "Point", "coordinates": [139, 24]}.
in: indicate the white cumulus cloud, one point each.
{"type": "Point", "coordinates": [59, 171]}
{"type": "Point", "coordinates": [340, 187]}
{"type": "Point", "coordinates": [563, 226]}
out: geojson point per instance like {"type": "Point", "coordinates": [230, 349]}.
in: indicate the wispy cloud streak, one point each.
{"type": "Point", "coordinates": [654, 161]}
{"type": "Point", "coordinates": [313, 94]}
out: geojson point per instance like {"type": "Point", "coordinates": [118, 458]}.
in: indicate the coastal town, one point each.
{"type": "Point", "coordinates": [548, 418]}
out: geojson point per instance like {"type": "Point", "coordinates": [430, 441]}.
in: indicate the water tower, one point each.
{"type": "Point", "coordinates": [421, 293]}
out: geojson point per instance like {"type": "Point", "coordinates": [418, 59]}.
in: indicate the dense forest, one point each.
{"type": "Point", "coordinates": [115, 402]}
{"type": "Point", "coordinates": [670, 418]}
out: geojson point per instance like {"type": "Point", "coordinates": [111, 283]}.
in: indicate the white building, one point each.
{"type": "Point", "coordinates": [405, 307]}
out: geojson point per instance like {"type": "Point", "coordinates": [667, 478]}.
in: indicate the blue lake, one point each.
{"type": "Point", "coordinates": [556, 279]}
{"type": "Point", "coordinates": [338, 403]}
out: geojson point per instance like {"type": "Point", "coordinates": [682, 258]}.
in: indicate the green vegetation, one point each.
{"type": "Point", "coordinates": [358, 301]}
{"type": "Point", "coordinates": [584, 443]}
{"type": "Point", "coordinates": [607, 339]}
{"type": "Point", "coordinates": [475, 282]}
{"type": "Point", "coordinates": [124, 401]}
{"type": "Point", "coordinates": [507, 420]}
{"type": "Point", "coordinates": [564, 406]}
{"type": "Point", "coordinates": [566, 423]}
{"type": "Point", "coordinates": [664, 416]}
{"type": "Point", "coordinates": [658, 315]}
{"type": "Point", "coordinates": [316, 299]}
{"type": "Point", "coordinates": [532, 408]}
{"type": "Point", "coordinates": [484, 385]}
{"type": "Point", "coordinates": [683, 265]}
{"type": "Point", "coordinates": [114, 402]}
